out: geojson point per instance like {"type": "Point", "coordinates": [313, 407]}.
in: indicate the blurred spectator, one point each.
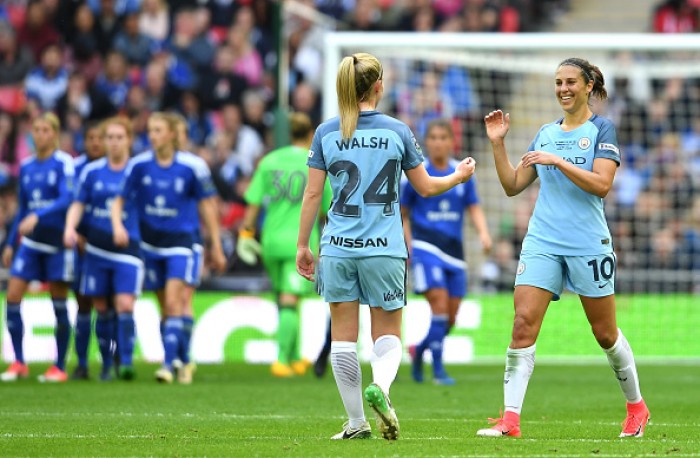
{"type": "Point", "coordinates": [15, 59]}
{"type": "Point", "coordinates": [81, 98]}
{"type": "Point", "coordinates": [260, 38]}
{"type": "Point", "coordinates": [8, 145]}
{"type": "Point", "coordinates": [154, 20]}
{"type": "Point", "coordinates": [157, 91]}
{"type": "Point", "coordinates": [247, 62]}
{"type": "Point", "coordinates": [84, 49]}
{"type": "Point", "coordinates": [246, 146]}
{"type": "Point", "coordinates": [114, 82]}
{"type": "Point", "coordinates": [365, 17]}
{"type": "Point", "coordinates": [220, 85]}
{"type": "Point", "coordinates": [107, 24]}
{"type": "Point", "coordinates": [199, 124]}
{"type": "Point", "coordinates": [305, 99]}
{"type": "Point", "coordinates": [48, 82]}
{"type": "Point", "coordinates": [223, 13]}
{"type": "Point", "coordinates": [136, 47]}
{"type": "Point", "coordinates": [15, 63]}
{"type": "Point", "coordinates": [255, 115]}
{"type": "Point", "coordinates": [120, 7]}
{"type": "Point", "coordinates": [37, 32]}
{"type": "Point", "coordinates": [188, 43]}
{"type": "Point", "coordinates": [675, 16]}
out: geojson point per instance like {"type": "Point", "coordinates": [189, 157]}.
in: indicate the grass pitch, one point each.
{"type": "Point", "coordinates": [239, 410]}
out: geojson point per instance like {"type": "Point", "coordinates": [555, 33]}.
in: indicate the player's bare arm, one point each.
{"type": "Point", "coordinates": [513, 179]}
{"type": "Point", "coordinates": [313, 195]}
{"type": "Point", "coordinates": [597, 181]}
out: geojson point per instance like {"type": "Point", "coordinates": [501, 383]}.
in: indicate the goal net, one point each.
{"type": "Point", "coordinates": [653, 82]}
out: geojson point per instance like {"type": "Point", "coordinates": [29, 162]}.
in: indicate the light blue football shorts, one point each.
{"type": "Point", "coordinates": [589, 276]}
{"type": "Point", "coordinates": [379, 281]}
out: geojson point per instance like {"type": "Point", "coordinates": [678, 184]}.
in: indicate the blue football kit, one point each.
{"type": "Point", "coordinates": [45, 189]}
{"type": "Point", "coordinates": [109, 269]}
{"type": "Point", "coordinates": [437, 233]}
{"type": "Point", "coordinates": [163, 196]}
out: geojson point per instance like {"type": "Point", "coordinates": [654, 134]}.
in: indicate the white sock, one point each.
{"type": "Point", "coordinates": [348, 377]}
{"type": "Point", "coordinates": [519, 366]}
{"type": "Point", "coordinates": [621, 360]}
{"type": "Point", "coordinates": [385, 360]}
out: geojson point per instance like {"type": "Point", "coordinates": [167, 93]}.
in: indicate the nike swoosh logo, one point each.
{"type": "Point", "coordinates": [544, 144]}
{"type": "Point", "coordinates": [602, 286]}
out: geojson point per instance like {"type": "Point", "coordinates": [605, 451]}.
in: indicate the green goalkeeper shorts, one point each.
{"type": "Point", "coordinates": [284, 277]}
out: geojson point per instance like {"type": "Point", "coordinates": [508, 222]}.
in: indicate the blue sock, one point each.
{"type": "Point", "coordinates": [184, 349]}
{"type": "Point", "coordinates": [125, 338]}
{"type": "Point", "coordinates": [83, 329]}
{"type": "Point", "coordinates": [435, 338]}
{"type": "Point", "coordinates": [16, 328]}
{"type": "Point", "coordinates": [172, 329]}
{"type": "Point", "coordinates": [62, 333]}
{"type": "Point", "coordinates": [104, 330]}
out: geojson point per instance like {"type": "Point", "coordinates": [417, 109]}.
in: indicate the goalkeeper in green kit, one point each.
{"type": "Point", "coordinates": [278, 186]}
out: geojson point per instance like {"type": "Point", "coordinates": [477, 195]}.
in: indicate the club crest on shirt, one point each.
{"type": "Point", "coordinates": [584, 142]}
{"type": "Point", "coordinates": [521, 268]}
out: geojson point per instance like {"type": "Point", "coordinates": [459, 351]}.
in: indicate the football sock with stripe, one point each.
{"type": "Point", "coordinates": [348, 377]}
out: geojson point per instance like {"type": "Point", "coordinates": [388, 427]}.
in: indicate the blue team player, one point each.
{"type": "Point", "coordinates": [433, 228]}
{"type": "Point", "coordinates": [94, 149]}
{"type": "Point", "coordinates": [363, 251]}
{"type": "Point", "coordinates": [45, 192]}
{"type": "Point", "coordinates": [113, 267]}
{"type": "Point", "coordinates": [162, 183]}
{"type": "Point", "coordinates": [568, 242]}
{"type": "Point", "coordinates": [183, 364]}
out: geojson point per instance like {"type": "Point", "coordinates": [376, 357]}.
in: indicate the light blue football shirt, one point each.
{"type": "Point", "coordinates": [364, 173]}
{"type": "Point", "coordinates": [568, 220]}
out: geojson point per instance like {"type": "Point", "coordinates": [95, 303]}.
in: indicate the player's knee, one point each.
{"type": "Point", "coordinates": [524, 331]}
{"type": "Point", "coordinates": [605, 335]}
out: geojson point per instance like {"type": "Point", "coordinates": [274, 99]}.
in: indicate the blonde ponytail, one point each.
{"type": "Point", "coordinates": [356, 76]}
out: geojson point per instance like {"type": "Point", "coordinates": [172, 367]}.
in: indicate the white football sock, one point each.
{"type": "Point", "coordinates": [385, 360]}
{"type": "Point", "coordinates": [621, 360]}
{"type": "Point", "coordinates": [348, 377]}
{"type": "Point", "coordinates": [519, 366]}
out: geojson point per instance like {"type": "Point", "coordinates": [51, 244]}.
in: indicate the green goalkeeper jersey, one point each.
{"type": "Point", "coordinates": [278, 187]}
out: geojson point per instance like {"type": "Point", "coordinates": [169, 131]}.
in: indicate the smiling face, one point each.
{"type": "Point", "coordinates": [571, 88]}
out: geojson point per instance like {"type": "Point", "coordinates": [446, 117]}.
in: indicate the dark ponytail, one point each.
{"type": "Point", "coordinates": [589, 72]}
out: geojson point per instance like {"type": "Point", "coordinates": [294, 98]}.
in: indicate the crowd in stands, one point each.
{"type": "Point", "coordinates": [214, 62]}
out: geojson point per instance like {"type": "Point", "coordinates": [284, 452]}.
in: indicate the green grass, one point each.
{"type": "Point", "coordinates": [239, 410]}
